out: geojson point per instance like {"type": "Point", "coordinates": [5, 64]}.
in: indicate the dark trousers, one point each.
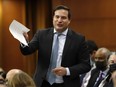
{"type": "Point", "coordinates": [46, 84]}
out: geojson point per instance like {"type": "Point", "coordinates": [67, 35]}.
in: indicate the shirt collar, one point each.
{"type": "Point", "coordinates": [63, 33]}
{"type": "Point", "coordinates": [105, 71]}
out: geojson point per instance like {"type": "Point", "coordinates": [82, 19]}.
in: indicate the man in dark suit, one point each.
{"type": "Point", "coordinates": [110, 79]}
{"type": "Point", "coordinates": [72, 58]}
{"type": "Point", "coordinates": [101, 70]}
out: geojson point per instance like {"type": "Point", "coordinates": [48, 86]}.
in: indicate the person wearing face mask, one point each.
{"type": "Point", "coordinates": [110, 79]}
{"type": "Point", "coordinates": [101, 70]}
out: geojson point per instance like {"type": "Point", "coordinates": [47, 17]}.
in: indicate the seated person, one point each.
{"type": "Point", "coordinates": [18, 78]}
{"type": "Point", "coordinates": [110, 80]}
{"type": "Point", "coordinates": [92, 46]}
{"type": "Point", "coordinates": [100, 71]}
{"type": "Point", "coordinates": [92, 50]}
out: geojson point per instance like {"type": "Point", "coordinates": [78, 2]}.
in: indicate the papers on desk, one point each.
{"type": "Point", "coordinates": [17, 29]}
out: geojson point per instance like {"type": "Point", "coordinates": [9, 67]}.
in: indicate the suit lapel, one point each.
{"type": "Point", "coordinates": [68, 41]}
{"type": "Point", "coordinates": [49, 39]}
{"type": "Point", "coordinates": [67, 44]}
{"type": "Point", "coordinates": [94, 75]}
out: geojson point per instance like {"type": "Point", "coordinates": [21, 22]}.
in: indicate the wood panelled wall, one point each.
{"type": "Point", "coordinates": [96, 19]}
{"type": "Point", "coordinates": [34, 15]}
{"type": "Point", "coordinates": [11, 56]}
{"type": "Point", "coordinates": [0, 31]}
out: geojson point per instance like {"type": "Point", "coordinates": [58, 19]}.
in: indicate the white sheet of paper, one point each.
{"type": "Point", "coordinates": [17, 29]}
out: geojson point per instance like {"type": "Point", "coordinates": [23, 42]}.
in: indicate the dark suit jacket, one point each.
{"type": "Point", "coordinates": [75, 56]}
{"type": "Point", "coordinates": [94, 74]}
{"type": "Point", "coordinates": [108, 81]}
{"type": "Point", "coordinates": [108, 84]}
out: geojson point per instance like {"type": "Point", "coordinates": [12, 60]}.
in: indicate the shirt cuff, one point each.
{"type": "Point", "coordinates": [22, 45]}
{"type": "Point", "coordinates": [68, 71]}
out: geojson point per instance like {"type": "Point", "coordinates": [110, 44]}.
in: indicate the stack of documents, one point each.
{"type": "Point", "coordinates": [17, 29]}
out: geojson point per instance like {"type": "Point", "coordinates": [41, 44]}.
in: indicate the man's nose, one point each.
{"type": "Point", "coordinates": [59, 19]}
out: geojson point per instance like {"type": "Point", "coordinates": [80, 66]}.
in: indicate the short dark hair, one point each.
{"type": "Point", "coordinates": [59, 7]}
{"type": "Point", "coordinates": [91, 46]}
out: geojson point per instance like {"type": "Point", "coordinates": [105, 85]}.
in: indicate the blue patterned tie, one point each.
{"type": "Point", "coordinates": [51, 76]}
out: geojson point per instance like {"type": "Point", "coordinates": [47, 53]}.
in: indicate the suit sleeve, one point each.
{"type": "Point", "coordinates": [33, 45]}
{"type": "Point", "coordinates": [83, 58]}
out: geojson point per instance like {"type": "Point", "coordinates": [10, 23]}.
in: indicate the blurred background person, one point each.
{"type": "Point", "coordinates": [92, 46]}
{"type": "Point", "coordinates": [2, 77]}
{"type": "Point", "coordinates": [18, 78]}
{"type": "Point", "coordinates": [112, 58]}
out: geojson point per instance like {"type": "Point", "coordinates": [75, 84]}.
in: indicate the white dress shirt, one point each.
{"type": "Point", "coordinates": [62, 39]}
